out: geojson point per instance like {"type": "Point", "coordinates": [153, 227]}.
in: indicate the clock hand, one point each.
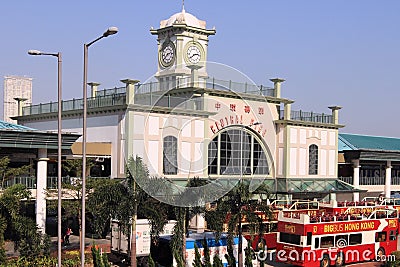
{"type": "Point", "coordinates": [195, 54]}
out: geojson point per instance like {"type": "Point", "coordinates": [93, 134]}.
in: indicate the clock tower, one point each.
{"type": "Point", "coordinates": [182, 48]}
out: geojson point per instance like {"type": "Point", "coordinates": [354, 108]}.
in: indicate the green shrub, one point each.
{"type": "Point", "coordinates": [395, 263]}
{"type": "Point", "coordinates": [217, 262]}
{"type": "Point", "coordinates": [151, 261]}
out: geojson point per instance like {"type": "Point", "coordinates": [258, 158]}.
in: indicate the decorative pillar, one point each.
{"type": "Point", "coordinates": [129, 122]}
{"type": "Point", "coordinates": [130, 90]}
{"type": "Point", "coordinates": [277, 86]}
{"type": "Point", "coordinates": [356, 179]}
{"type": "Point", "coordinates": [287, 109]}
{"type": "Point", "coordinates": [194, 75]}
{"type": "Point", "coordinates": [286, 135]}
{"type": "Point", "coordinates": [20, 102]}
{"type": "Point", "coordinates": [335, 113]}
{"type": "Point", "coordinates": [93, 88]}
{"type": "Point", "coordinates": [41, 185]}
{"type": "Point", "coordinates": [388, 179]}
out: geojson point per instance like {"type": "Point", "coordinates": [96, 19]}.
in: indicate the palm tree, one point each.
{"type": "Point", "coordinates": [151, 208]}
{"type": "Point", "coordinates": [238, 205]}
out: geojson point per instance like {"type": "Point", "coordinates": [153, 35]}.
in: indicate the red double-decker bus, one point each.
{"type": "Point", "coordinates": [365, 206]}
{"type": "Point", "coordinates": [267, 240]}
{"type": "Point", "coordinates": [325, 239]}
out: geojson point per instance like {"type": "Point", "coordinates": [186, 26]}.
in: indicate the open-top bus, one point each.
{"type": "Point", "coordinates": [270, 231]}
{"type": "Point", "coordinates": [327, 239]}
{"type": "Point", "coordinates": [365, 206]}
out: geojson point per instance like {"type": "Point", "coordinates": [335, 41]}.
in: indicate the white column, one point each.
{"type": "Point", "coordinates": [93, 88]}
{"type": "Point", "coordinates": [41, 184]}
{"type": "Point", "coordinates": [129, 123]}
{"type": "Point", "coordinates": [388, 179]}
{"type": "Point", "coordinates": [277, 86]}
{"type": "Point", "coordinates": [356, 178]}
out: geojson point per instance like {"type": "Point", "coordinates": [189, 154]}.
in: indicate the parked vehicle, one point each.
{"type": "Point", "coordinates": [121, 242]}
{"type": "Point", "coordinates": [337, 239]}
{"type": "Point", "coordinates": [163, 254]}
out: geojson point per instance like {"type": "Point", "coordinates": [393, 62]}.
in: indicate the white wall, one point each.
{"type": "Point", "coordinates": [99, 129]}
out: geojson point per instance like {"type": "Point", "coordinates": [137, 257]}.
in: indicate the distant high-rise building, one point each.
{"type": "Point", "coordinates": [16, 87]}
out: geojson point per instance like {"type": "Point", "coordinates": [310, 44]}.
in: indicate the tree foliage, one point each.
{"type": "Point", "coordinates": [3, 227]}
{"type": "Point", "coordinates": [73, 167]}
{"type": "Point", "coordinates": [217, 262]}
{"type": "Point", "coordinates": [197, 257]}
{"type": "Point", "coordinates": [104, 200]}
{"type": "Point", "coordinates": [24, 232]}
{"type": "Point", "coordinates": [207, 258]}
{"type": "Point", "coordinates": [238, 205]}
{"type": "Point", "coordinates": [100, 259]}
{"type": "Point", "coordinates": [151, 261]}
{"type": "Point", "coordinates": [7, 172]}
{"type": "Point", "coordinates": [248, 256]}
{"type": "Point", "coordinates": [72, 192]}
{"type": "Point", "coordinates": [177, 241]}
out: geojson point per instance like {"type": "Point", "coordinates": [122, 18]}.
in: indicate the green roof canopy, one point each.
{"type": "Point", "coordinates": [371, 148]}
{"type": "Point", "coordinates": [367, 142]}
{"type": "Point", "coordinates": [313, 185]}
{"type": "Point", "coordinates": [19, 136]}
{"type": "Point", "coordinates": [11, 126]}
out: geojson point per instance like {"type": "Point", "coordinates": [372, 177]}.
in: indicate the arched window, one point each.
{"type": "Point", "coordinates": [170, 152]}
{"type": "Point", "coordinates": [313, 159]}
{"type": "Point", "coordinates": [235, 152]}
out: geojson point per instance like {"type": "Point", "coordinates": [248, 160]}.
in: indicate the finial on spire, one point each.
{"type": "Point", "coordinates": [183, 5]}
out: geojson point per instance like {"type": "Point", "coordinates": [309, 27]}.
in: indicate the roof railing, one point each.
{"type": "Point", "coordinates": [309, 116]}
{"type": "Point", "coordinates": [328, 217]}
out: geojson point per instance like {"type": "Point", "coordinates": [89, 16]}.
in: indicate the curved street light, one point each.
{"type": "Point", "coordinates": [59, 230]}
{"type": "Point", "coordinates": [108, 32]}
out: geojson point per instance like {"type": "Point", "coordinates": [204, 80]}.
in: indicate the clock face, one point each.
{"type": "Point", "coordinates": [167, 55]}
{"type": "Point", "coordinates": [193, 54]}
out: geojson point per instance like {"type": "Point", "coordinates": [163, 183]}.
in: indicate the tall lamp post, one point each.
{"type": "Point", "coordinates": [240, 245]}
{"type": "Point", "coordinates": [59, 236]}
{"type": "Point", "coordinates": [108, 32]}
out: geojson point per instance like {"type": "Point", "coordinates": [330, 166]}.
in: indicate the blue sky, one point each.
{"type": "Point", "coordinates": [338, 52]}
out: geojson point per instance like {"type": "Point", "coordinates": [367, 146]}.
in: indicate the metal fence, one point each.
{"type": "Point", "coordinates": [246, 88]}
{"type": "Point", "coordinates": [209, 83]}
{"type": "Point", "coordinates": [371, 180]}
{"type": "Point", "coordinates": [76, 104]}
{"type": "Point", "coordinates": [299, 115]}
{"type": "Point", "coordinates": [30, 181]}
{"type": "Point", "coordinates": [348, 180]}
{"type": "Point", "coordinates": [157, 99]}
{"type": "Point", "coordinates": [112, 91]}
{"type": "Point", "coordinates": [395, 181]}
{"type": "Point", "coordinates": [150, 94]}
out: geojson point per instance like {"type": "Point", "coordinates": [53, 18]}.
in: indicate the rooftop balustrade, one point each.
{"type": "Point", "coordinates": [151, 93]}
{"type": "Point", "coordinates": [299, 115]}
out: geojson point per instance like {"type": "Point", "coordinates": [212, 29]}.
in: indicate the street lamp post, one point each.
{"type": "Point", "coordinates": [240, 245]}
{"type": "Point", "coordinates": [108, 32]}
{"type": "Point", "coordinates": [59, 230]}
